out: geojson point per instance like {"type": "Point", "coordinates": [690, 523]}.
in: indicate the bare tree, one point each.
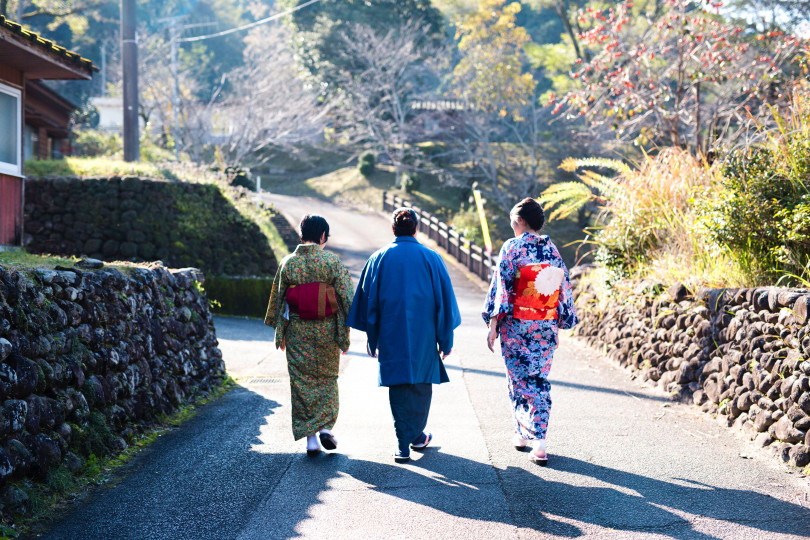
{"type": "Point", "coordinates": [393, 72]}
{"type": "Point", "coordinates": [73, 11]}
{"type": "Point", "coordinates": [267, 104]}
{"type": "Point", "coordinates": [509, 158]}
{"type": "Point", "coordinates": [258, 105]}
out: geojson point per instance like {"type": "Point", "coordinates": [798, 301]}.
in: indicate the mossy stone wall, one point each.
{"type": "Point", "coordinates": [89, 358]}
{"type": "Point", "coordinates": [134, 219]}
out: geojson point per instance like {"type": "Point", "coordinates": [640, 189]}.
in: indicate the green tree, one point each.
{"type": "Point", "coordinates": [490, 74]}
{"type": "Point", "coordinates": [500, 136]}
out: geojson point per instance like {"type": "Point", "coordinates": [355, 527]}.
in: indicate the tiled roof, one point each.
{"type": "Point", "coordinates": [47, 45]}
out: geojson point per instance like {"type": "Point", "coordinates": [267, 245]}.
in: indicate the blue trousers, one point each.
{"type": "Point", "coordinates": [410, 405]}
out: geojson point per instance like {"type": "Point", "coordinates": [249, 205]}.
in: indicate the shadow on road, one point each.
{"type": "Point", "coordinates": [243, 329]}
{"type": "Point", "coordinates": [199, 481]}
{"type": "Point", "coordinates": [628, 502]}
{"type": "Point", "coordinates": [208, 479]}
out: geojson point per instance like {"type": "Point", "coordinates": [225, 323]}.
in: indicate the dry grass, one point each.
{"type": "Point", "coordinates": [652, 226]}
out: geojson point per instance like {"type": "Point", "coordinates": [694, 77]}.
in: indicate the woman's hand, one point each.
{"type": "Point", "coordinates": [283, 345]}
{"type": "Point", "coordinates": [493, 333]}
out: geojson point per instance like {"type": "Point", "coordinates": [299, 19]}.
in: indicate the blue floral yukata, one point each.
{"type": "Point", "coordinates": [528, 346]}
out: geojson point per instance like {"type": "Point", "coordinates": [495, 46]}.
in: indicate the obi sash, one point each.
{"type": "Point", "coordinates": [312, 301]}
{"type": "Point", "coordinates": [537, 293]}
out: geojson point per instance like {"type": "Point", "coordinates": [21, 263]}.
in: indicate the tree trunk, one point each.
{"type": "Point", "coordinates": [698, 148]}
{"type": "Point", "coordinates": [562, 12]}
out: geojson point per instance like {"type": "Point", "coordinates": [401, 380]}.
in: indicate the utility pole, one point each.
{"type": "Point", "coordinates": [129, 57]}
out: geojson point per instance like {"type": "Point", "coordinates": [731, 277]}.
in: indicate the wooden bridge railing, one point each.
{"type": "Point", "coordinates": [477, 260]}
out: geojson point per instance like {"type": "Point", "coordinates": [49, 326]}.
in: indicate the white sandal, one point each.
{"type": "Point", "coordinates": [537, 460]}
{"type": "Point", "coordinates": [519, 442]}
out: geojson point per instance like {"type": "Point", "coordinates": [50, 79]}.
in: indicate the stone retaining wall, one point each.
{"type": "Point", "coordinates": [135, 219]}
{"type": "Point", "coordinates": [736, 352]}
{"type": "Point", "coordinates": [88, 357]}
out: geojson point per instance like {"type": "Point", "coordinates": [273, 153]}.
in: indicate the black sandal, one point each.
{"type": "Point", "coordinates": [424, 444]}
{"type": "Point", "coordinates": [328, 441]}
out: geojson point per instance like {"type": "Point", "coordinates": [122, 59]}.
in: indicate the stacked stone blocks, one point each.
{"type": "Point", "coordinates": [89, 356]}
{"type": "Point", "coordinates": [742, 353]}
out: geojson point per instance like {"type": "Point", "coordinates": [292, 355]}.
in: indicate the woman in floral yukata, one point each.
{"type": "Point", "coordinates": [311, 295]}
{"type": "Point", "coordinates": [529, 300]}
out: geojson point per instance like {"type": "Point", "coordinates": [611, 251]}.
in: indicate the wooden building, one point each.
{"type": "Point", "coordinates": [25, 57]}
{"type": "Point", "coordinates": [46, 123]}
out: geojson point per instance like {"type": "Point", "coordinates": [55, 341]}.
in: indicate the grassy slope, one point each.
{"type": "Point", "coordinates": [19, 259]}
{"type": "Point", "coordinates": [346, 186]}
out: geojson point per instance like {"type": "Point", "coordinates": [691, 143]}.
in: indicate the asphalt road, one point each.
{"type": "Point", "coordinates": [624, 461]}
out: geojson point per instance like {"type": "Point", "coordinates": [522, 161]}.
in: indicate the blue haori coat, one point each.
{"type": "Point", "coordinates": [406, 306]}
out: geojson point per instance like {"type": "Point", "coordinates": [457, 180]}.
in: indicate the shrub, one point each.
{"type": "Point", "coordinates": [647, 225]}
{"type": "Point", "coordinates": [368, 157]}
{"type": "Point", "coordinates": [94, 143]}
{"type": "Point", "coordinates": [468, 223]}
{"type": "Point", "coordinates": [152, 152]}
{"type": "Point", "coordinates": [410, 182]}
{"type": "Point", "coordinates": [367, 164]}
{"type": "Point", "coordinates": [245, 296]}
{"type": "Point", "coordinates": [762, 213]}
{"type": "Point", "coordinates": [437, 153]}
{"type": "Point", "coordinates": [237, 176]}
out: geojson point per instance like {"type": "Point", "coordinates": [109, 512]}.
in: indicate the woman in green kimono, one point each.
{"type": "Point", "coordinates": [311, 295]}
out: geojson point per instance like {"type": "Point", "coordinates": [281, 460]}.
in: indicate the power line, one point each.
{"type": "Point", "coordinates": [251, 25]}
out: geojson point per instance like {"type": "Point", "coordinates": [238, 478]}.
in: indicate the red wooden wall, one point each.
{"type": "Point", "coordinates": [11, 201]}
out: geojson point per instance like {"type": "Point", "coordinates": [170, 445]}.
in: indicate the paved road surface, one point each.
{"type": "Point", "coordinates": [625, 463]}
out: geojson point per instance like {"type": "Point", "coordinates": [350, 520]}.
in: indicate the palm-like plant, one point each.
{"type": "Point", "coordinates": [567, 198]}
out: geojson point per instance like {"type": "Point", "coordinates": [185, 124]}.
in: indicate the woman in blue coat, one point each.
{"type": "Point", "coordinates": [406, 306]}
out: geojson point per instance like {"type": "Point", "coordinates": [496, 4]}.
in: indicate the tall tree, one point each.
{"type": "Point", "coordinates": [489, 75]}
{"type": "Point", "coordinates": [680, 77]}
{"type": "Point", "coordinates": [391, 72]}
{"type": "Point", "coordinates": [500, 135]}
{"type": "Point", "coordinates": [770, 15]}
{"type": "Point", "coordinates": [268, 105]}
{"type": "Point", "coordinates": [320, 30]}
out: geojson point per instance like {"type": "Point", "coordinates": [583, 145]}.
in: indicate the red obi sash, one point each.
{"type": "Point", "coordinates": [537, 293]}
{"type": "Point", "coordinates": [312, 301]}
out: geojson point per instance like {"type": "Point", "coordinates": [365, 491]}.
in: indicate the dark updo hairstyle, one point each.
{"type": "Point", "coordinates": [312, 227]}
{"type": "Point", "coordinates": [404, 222]}
{"type": "Point", "coordinates": [531, 212]}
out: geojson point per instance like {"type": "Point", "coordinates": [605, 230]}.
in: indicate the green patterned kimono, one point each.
{"type": "Point", "coordinates": [313, 346]}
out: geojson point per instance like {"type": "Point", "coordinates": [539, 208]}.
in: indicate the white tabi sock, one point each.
{"type": "Point", "coordinates": [539, 445]}
{"type": "Point", "coordinates": [312, 442]}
